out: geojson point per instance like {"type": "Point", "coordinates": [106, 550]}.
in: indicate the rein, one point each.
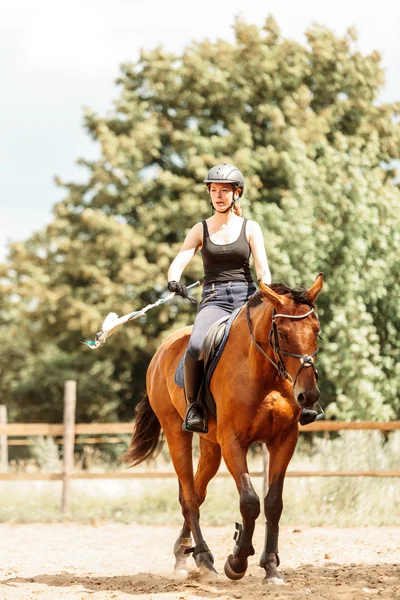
{"type": "Point", "coordinates": [306, 360]}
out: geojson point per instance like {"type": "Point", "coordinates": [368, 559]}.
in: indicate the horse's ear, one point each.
{"type": "Point", "coordinates": [276, 299]}
{"type": "Point", "coordinates": [315, 288]}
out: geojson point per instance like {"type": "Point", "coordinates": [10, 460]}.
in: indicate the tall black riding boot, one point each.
{"type": "Point", "coordinates": [195, 419]}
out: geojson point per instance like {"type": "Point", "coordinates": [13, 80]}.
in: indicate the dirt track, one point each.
{"type": "Point", "coordinates": [135, 562]}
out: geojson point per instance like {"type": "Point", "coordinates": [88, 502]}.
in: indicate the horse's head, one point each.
{"type": "Point", "coordinates": [293, 337]}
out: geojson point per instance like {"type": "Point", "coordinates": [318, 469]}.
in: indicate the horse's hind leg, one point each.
{"type": "Point", "coordinates": [209, 461]}
{"type": "Point", "coordinates": [182, 544]}
{"type": "Point", "coordinates": [180, 448]}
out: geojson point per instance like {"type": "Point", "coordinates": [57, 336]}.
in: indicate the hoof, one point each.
{"type": "Point", "coordinates": [230, 573]}
{"type": "Point", "coordinates": [270, 563]}
{"type": "Point", "coordinates": [273, 581]}
{"type": "Point", "coordinates": [208, 574]}
{"type": "Point", "coordinates": [180, 574]}
{"type": "Point", "coordinates": [205, 563]}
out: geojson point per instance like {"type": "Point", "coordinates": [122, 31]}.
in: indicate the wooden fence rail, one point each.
{"type": "Point", "coordinates": [172, 475]}
{"type": "Point", "coordinates": [53, 430]}
{"type": "Point", "coordinates": [70, 434]}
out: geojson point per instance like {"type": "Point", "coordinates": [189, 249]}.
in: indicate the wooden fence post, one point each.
{"type": "Point", "coordinates": [69, 442]}
{"type": "Point", "coordinates": [3, 441]}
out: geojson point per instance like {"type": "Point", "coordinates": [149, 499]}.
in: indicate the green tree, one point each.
{"type": "Point", "coordinates": [304, 124]}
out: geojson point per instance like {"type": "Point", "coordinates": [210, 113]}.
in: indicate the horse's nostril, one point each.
{"type": "Point", "coordinates": [308, 399]}
{"type": "Point", "coordinates": [301, 399]}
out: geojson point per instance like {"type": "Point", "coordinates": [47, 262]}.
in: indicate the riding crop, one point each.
{"type": "Point", "coordinates": [112, 321]}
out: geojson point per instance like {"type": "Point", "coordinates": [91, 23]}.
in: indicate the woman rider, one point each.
{"type": "Point", "coordinates": [226, 241]}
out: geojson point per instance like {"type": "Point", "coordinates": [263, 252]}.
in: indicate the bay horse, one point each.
{"type": "Point", "coordinates": [260, 385]}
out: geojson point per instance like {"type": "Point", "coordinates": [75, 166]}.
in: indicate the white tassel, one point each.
{"type": "Point", "coordinates": [109, 321]}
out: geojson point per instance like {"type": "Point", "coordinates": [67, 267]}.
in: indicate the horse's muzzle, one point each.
{"type": "Point", "coordinates": [307, 398]}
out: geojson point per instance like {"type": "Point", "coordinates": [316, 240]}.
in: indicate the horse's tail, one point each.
{"type": "Point", "coordinates": [145, 443]}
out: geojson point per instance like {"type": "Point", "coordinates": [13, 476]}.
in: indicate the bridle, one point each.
{"type": "Point", "coordinates": [306, 360]}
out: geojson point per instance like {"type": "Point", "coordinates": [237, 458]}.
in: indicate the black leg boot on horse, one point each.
{"type": "Point", "coordinates": [196, 416]}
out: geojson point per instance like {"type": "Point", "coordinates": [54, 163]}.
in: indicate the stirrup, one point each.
{"type": "Point", "coordinates": [200, 427]}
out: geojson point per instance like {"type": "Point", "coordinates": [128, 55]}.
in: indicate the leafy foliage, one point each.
{"type": "Point", "coordinates": [304, 124]}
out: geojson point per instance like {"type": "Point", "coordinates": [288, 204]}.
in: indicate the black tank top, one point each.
{"type": "Point", "coordinates": [226, 262]}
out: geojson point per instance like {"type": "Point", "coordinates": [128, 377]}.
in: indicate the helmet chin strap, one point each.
{"type": "Point", "coordinates": [228, 209]}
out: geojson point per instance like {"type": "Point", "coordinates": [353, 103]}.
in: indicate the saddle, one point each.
{"type": "Point", "coordinates": [213, 346]}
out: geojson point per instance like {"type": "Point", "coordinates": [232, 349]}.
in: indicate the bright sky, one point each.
{"type": "Point", "coordinates": [56, 57]}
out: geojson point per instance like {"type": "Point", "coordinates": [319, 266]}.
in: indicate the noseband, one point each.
{"type": "Point", "coordinates": [306, 360]}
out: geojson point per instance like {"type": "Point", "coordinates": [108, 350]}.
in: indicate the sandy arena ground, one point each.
{"type": "Point", "coordinates": [134, 562]}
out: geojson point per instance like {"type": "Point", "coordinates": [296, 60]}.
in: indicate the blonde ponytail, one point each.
{"type": "Point", "coordinates": [237, 209]}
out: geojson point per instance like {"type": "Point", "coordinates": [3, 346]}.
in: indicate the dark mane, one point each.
{"type": "Point", "coordinates": [298, 295]}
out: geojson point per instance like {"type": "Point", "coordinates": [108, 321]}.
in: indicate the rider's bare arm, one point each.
{"type": "Point", "coordinates": [192, 243]}
{"type": "Point", "coordinates": [256, 241]}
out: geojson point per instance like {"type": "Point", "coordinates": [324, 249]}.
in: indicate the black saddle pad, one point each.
{"type": "Point", "coordinates": [209, 367]}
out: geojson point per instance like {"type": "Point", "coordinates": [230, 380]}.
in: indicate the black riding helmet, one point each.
{"type": "Point", "coordinates": [226, 173]}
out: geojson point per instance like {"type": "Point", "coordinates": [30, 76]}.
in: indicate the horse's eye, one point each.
{"type": "Point", "coordinates": [320, 336]}
{"type": "Point", "coordinates": [282, 335]}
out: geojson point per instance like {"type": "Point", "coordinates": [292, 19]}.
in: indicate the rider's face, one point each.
{"type": "Point", "coordinates": [221, 195]}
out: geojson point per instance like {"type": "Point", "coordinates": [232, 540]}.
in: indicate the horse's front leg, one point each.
{"type": "Point", "coordinates": [235, 458]}
{"type": "Point", "coordinates": [281, 451]}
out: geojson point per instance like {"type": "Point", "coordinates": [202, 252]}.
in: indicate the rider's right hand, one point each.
{"type": "Point", "coordinates": [180, 288]}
